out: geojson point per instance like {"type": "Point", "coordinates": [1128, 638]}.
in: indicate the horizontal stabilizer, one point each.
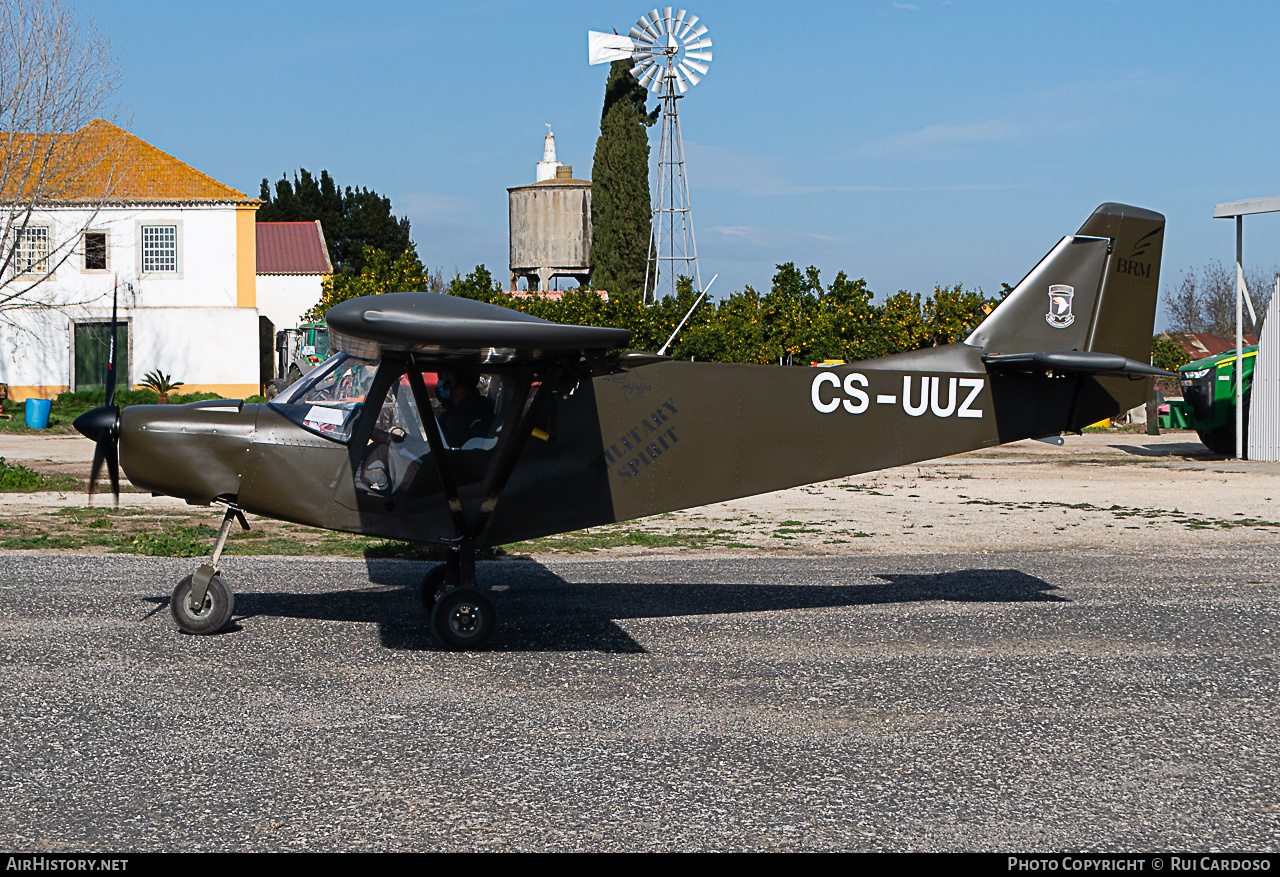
{"type": "Point", "coordinates": [1072, 362]}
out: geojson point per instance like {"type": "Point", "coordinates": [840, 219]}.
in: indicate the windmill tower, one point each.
{"type": "Point", "coordinates": [669, 52]}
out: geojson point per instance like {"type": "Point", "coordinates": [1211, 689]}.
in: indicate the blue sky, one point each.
{"type": "Point", "coordinates": [910, 143]}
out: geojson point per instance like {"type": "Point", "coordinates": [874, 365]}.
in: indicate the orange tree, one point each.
{"type": "Point", "coordinates": [797, 317]}
{"type": "Point", "coordinates": [382, 272]}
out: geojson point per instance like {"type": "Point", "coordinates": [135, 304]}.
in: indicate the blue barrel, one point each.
{"type": "Point", "coordinates": [38, 413]}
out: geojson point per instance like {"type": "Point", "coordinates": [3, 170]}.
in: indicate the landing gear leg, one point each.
{"type": "Point", "coordinates": [202, 603]}
{"type": "Point", "coordinates": [461, 616]}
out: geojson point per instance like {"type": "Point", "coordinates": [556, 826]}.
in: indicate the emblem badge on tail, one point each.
{"type": "Point", "coordinates": [1060, 315]}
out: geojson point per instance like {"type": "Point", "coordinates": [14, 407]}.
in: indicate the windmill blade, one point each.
{"type": "Point", "coordinates": [667, 19]}
{"type": "Point", "coordinates": [701, 56]}
{"type": "Point", "coordinates": [681, 85]}
{"type": "Point", "coordinates": [642, 69]}
{"type": "Point", "coordinates": [688, 26]}
{"type": "Point", "coordinates": [698, 33]}
{"type": "Point", "coordinates": [678, 22]}
{"type": "Point", "coordinates": [649, 75]}
{"type": "Point", "coordinates": [655, 24]}
{"type": "Point", "coordinates": [694, 78]}
{"type": "Point", "coordinates": [688, 65]}
{"type": "Point", "coordinates": [645, 26]}
{"type": "Point", "coordinates": [700, 44]}
{"type": "Point", "coordinates": [641, 36]}
{"type": "Point", "coordinates": [605, 47]}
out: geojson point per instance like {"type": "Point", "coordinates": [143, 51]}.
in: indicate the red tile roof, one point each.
{"type": "Point", "coordinates": [102, 162]}
{"type": "Point", "coordinates": [1201, 345]}
{"type": "Point", "coordinates": [292, 248]}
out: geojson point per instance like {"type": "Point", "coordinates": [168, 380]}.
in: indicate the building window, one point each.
{"type": "Point", "coordinates": [95, 251]}
{"type": "Point", "coordinates": [32, 253]}
{"type": "Point", "coordinates": [159, 248]}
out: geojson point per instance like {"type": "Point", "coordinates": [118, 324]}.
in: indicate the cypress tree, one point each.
{"type": "Point", "coordinates": [621, 218]}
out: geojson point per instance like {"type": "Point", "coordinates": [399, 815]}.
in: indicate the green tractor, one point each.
{"type": "Point", "coordinates": [298, 351]}
{"type": "Point", "coordinates": [1209, 400]}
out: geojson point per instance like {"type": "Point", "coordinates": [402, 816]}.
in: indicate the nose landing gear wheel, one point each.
{"type": "Point", "coordinates": [464, 619]}
{"type": "Point", "coordinates": [211, 616]}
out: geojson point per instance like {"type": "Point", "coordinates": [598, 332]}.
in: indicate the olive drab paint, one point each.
{"type": "Point", "coordinates": [576, 433]}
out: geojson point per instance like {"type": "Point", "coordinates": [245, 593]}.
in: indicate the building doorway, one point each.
{"type": "Point", "coordinates": [91, 345]}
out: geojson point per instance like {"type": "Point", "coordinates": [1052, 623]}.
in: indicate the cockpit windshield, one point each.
{"type": "Point", "coordinates": [328, 400]}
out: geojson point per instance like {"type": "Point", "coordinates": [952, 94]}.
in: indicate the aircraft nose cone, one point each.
{"type": "Point", "coordinates": [99, 422]}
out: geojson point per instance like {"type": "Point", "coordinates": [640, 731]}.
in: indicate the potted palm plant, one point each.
{"type": "Point", "coordinates": [163, 384]}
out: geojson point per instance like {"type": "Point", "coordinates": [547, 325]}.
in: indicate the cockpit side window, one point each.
{"type": "Point", "coordinates": [329, 399]}
{"type": "Point", "coordinates": [465, 410]}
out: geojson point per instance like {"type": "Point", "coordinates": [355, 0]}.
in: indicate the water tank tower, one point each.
{"type": "Point", "coordinates": [550, 224]}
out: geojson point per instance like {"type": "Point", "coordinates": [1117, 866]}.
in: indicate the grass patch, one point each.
{"type": "Point", "coordinates": [179, 542]}
{"type": "Point", "coordinates": [15, 478]}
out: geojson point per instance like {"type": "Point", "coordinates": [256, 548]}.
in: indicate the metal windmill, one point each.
{"type": "Point", "coordinates": [670, 52]}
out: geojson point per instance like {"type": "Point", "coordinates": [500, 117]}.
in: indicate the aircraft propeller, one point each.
{"type": "Point", "coordinates": [102, 424]}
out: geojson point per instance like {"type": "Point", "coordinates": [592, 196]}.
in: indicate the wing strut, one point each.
{"type": "Point", "coordinates": [518, 424]}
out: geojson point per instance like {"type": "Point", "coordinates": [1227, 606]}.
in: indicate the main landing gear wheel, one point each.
{"type": "Point", "coordinates": [464, 619]}
{"type": "Point", "coordinates": [434, 584]}
{"type": "Point", "coordinates": [211, 616]}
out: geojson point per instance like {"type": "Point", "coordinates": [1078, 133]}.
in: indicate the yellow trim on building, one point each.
{"type": "Point", "coordinates": [37, 391]}
{"type": "Point", "coordinates": [246, 257]}
{"type": "Point", "coordinates": [226, 391]}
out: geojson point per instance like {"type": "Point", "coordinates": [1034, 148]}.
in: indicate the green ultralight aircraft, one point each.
{"type": "Point", "coordinates": [446, 421]}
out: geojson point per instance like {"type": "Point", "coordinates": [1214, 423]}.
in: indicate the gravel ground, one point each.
{"type": "Point", "coordinates": [1028, 648]}
{"type": "Point", "coordinates": [1064, 700]}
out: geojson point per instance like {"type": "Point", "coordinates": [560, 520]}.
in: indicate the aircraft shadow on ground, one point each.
{"type": "Point", "coordinates": [542, 612]}
{"type": "Point", "coordinates": [1179, 449]}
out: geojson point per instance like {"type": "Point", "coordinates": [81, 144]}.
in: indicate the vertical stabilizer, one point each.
{"type": "Point", "coordinates": [1095, 291]}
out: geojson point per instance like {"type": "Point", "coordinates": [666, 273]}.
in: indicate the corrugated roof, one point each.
{"type": "Point", "coordinates": [104, 162]}
{"type": "Point", "coordinates": [292, 248]}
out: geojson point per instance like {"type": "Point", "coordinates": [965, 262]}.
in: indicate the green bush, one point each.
{"type": "Point", "coordinates": [185, 398]}
{"type": "Point", "coordinates": [15, 478]}
{"type": "Point", "coordinates": [181, 542]}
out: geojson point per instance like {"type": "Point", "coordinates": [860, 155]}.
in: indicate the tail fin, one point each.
{"type": "Point", "coordinates": [1095, 291]}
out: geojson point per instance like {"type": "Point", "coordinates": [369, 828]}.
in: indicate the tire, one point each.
{"type": "Point", "coordinates": [1223, 439]}
{"type": "Point", "coordinates": [434, 584]}
{"type": "Point", "coordinates": [463, 619]}
{"type": "Point", "coordinates": [219, 603]}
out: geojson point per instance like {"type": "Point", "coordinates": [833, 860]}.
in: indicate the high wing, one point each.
{"type": "Point", "coordinates": [444, 325]}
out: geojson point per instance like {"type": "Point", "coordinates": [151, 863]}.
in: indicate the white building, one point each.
{"type": "Point", "coordinates": [182, 247]}
{"type": "Point", "coordinates": [293, 262]}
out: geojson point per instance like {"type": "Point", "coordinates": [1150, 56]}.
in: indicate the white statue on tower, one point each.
{"type": "Point", "coordinates": [547, 167]}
